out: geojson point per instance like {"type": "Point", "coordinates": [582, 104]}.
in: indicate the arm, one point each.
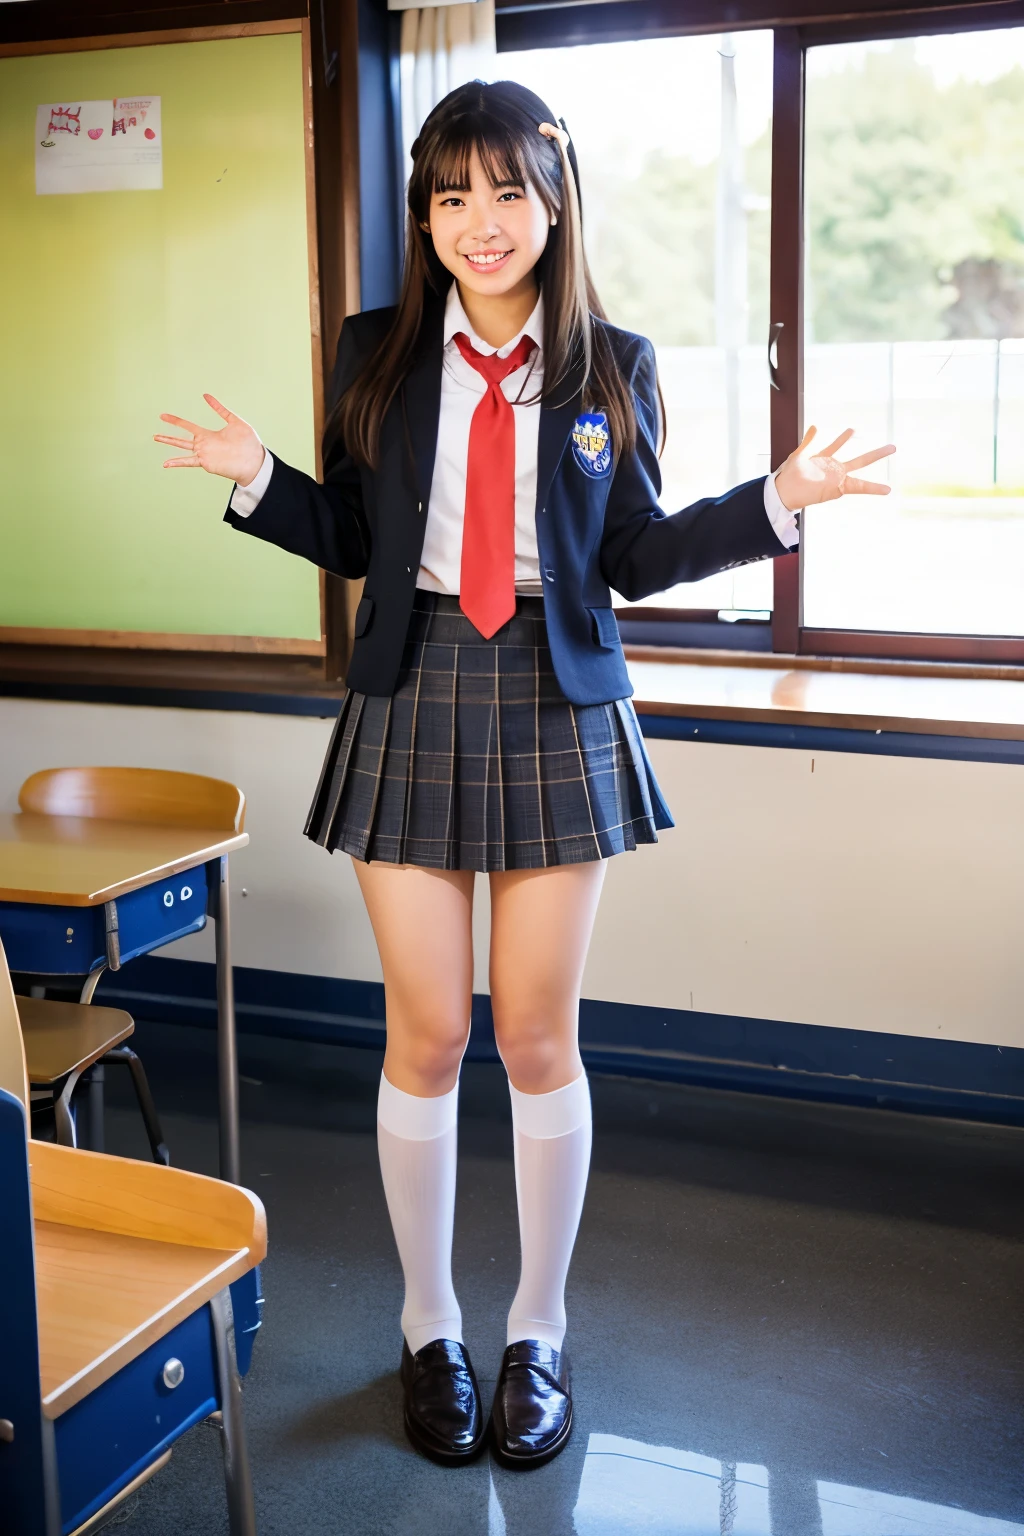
{"type": "Point", "coordinates": [322, 523]}
{"type": "Point", "coordinates": [646, 550]}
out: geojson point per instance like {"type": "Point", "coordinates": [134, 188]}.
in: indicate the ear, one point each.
{"type": "Point", "coordinates": [554, 220]}
{"type": "Point", "coordinates": [425, 226]}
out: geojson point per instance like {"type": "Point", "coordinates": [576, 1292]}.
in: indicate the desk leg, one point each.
{"type": "Point", "coordinates": [227, 1044]}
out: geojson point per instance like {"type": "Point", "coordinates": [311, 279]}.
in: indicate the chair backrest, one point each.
{"type": "Point", "coordinates": [158, 795]}
{"type": "Point", "coordinates": [13, 1075]}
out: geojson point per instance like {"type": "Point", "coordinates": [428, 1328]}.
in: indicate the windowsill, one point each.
{"type": "Point", "coordinates": [933, 698]}
{"type": "Point", "coordinates": [920, 697]}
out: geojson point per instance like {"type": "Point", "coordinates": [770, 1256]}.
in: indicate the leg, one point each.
{"type": "Point", "coordinates": [151, 1120]}
{"type": "Point", "coordinates": [422, 921]}
{"type": "Point", "coordinates": [237, 1477]}
{"type": "Point", "coordinates": [540, 932]}
{"type": "Point", "coordinates": [227, 1044]}
{"type": "Point", "coordinates": [96, 1084]}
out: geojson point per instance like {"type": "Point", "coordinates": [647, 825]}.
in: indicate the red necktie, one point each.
{"type": "Point", "coordinates": [487, 584]}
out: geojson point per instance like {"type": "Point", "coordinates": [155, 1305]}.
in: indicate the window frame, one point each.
{"type": "Point", "coordinates": [797, 26]}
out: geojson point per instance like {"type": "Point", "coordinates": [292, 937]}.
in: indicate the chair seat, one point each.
{"type": "Point", "coordinates": [67, 1037]}
{"type": "Point", "coordinates": [104, 1297]}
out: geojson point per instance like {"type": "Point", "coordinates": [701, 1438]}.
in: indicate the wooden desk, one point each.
{"type": "Point", "coordinates": [79, 895]}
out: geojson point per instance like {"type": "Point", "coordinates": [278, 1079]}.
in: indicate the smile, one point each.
{"type": "Point", "coordinates": [486, 261]}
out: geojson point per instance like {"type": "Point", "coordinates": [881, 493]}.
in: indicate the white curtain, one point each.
{"type": "Point", "coordinates": [442, 46]}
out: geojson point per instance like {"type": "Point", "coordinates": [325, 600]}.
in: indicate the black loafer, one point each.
{"type": "Point", "coordinates": [532, 1414]}
{"type": "Point", "coordinates": [443, 1415]}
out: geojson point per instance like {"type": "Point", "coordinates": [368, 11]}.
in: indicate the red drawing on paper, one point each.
{"type": "Point", "coordinates": [122, 124]}
{"type": "Point", "coordinates": [150, 134]}
{"type": "Point", "coordinates": [95, 133]}
{"type": "Point", "coordinates": [63, 120]}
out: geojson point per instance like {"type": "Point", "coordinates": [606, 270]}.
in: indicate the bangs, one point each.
{"type": "Point", "coordinates": [502, 152]}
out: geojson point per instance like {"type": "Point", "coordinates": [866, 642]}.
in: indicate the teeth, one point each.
{"type": "Point", "coordinates": [487, 259]}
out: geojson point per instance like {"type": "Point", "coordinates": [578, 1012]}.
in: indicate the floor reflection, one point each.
{"type": "Point", "coordinates": [628, 1486]}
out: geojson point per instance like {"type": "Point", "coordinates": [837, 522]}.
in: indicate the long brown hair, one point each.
{"type": "Point", "coordinates": [500, 122]}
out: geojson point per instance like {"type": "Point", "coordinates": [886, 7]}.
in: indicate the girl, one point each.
{"type": "Point", "coordinates": [491, 469]}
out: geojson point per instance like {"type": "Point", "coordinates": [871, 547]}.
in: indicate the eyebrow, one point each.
{"type": "Point", "coordinates": [463, 186]}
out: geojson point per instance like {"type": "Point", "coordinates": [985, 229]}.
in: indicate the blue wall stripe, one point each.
{"type": "Point", "coordinates": [827, 738]}
{"type": "Point", "coordinates": [851, 1066]}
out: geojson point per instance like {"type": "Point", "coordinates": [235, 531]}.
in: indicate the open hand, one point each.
{"type": "Point", "coordinates": [807, 477]}
{"type": "Point", "coordinates": [233, 451]}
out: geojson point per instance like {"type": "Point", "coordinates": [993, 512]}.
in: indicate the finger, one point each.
{"type": "Point", "coordinates": [189, 463]}
{"type": "Point", "coordinates": [806, 440]}
{"type": "Point", "coordinates": [179, 421]}
{"type": "Point", "coordinates": [844, 437]}
{"type": "Point", "coordinates": [175, 442]}
{"type": "Point", "coordinates": [854, 487]}
{"type": "Point", "coordinates": [869, 458]}
{"type": "Point", "coordinates": [221, 410]}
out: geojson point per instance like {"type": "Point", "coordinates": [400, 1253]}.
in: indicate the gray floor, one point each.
{"type": "Point", "coordinates": [785, 1319]}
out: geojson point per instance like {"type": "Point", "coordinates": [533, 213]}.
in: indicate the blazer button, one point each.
{"type": "Point", "coordinates": [549, 573]}
{"type": "Point", "coordinates": [409, 569]}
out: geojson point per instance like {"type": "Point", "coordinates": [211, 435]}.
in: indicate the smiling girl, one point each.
{"type": "Point", "coordinates": [491, 469]}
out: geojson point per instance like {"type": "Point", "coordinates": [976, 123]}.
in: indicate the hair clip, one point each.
{"type": "Point", "coordinates": [551, 132]}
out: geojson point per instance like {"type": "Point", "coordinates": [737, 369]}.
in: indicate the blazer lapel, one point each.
{"type": "Point", "coordinates": [556, 422]}
{"type": "Point", "coordinates": [421, 399]}
{"type": "Point", "coordinates": [555, 425]}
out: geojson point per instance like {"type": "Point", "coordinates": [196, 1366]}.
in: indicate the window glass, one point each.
{"type": "Point", "coordinates": [675, 183]}
{"type": "Point", "coordinates": [914, 305]}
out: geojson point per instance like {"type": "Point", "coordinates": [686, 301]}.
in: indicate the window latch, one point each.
{"type": "Point", "coordinates": [773, 353]}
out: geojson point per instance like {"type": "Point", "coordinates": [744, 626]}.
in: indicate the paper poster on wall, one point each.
{"type": "Point", "coordinates": [99, 146]}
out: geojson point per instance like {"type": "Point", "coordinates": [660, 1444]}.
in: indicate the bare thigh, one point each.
{"type": "Point", "coordinates": [422, 922]}
{"type": "Point", "coordinates": [541, 922]}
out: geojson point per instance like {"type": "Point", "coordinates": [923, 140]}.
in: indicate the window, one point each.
{"type": "Point", "coordinates": [675, 184]}
{"type": "Point", "coordinates": [914, 319]}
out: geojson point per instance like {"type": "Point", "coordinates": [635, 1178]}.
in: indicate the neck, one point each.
{"type": "Point", "coordinates": [497, 318]}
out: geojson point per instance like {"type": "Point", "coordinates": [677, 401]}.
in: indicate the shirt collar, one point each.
{"type": "Point", "coordinates": [455, 319]}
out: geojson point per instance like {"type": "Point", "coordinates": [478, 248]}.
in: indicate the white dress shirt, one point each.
{"type": "Point", "coordinates": [462, 389]}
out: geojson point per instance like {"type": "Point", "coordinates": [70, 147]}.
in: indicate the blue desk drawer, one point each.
{"type": "Point", "coordinates": [121, 1428]}
{"type": "Point", "coordinates": [72, 941]}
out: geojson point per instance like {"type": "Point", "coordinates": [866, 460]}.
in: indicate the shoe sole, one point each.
{"type": "Point", "coordinates": [525, 1463]}
{"type": "Point", "coordinates": [434, 1453]}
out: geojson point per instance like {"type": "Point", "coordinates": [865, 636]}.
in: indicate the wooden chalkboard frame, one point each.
{"type": "Point", "coordinates": [330, 110]}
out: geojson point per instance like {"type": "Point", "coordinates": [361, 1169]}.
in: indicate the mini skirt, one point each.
{"type": "Point", "coordinates": [479, 761]}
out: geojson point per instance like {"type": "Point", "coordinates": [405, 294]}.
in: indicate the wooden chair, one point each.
{"type": "Point", "coordinates": [128, 1297]}
{"type": "Point", "coordinates": [160, 797]}
{"type": "Point", "coordinates": [63, 1040]}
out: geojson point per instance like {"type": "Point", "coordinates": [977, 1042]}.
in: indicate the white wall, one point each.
{"type": "Point", "coordinates": [874, 893]}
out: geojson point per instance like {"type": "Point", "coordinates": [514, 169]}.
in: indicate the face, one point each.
{"type": "Point", "coordinates": [490, 238]}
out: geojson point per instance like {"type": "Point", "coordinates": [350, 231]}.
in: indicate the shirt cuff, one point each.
{"type": "Point", "coordinates": [246, 498]}
{"type": "Point", "coordinates": [787, 529]}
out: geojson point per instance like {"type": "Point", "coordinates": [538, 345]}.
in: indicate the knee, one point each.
{"type": "Point", "coordinates": [426, 1052]}
{"type": "Point", "coordinates": [539, 1053]}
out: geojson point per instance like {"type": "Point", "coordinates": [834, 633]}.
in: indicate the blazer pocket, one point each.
{"type": "Point", "coordinates": [605, 628]}
{"type": "Point", "coordinates": [364, 615]}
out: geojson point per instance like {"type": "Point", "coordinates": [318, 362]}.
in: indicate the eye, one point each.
{"type": "Point", "coordinates": [452, 202]}
{"type": "Point", "coordinates": [508, 197]}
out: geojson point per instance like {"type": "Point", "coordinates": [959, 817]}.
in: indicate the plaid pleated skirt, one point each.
{"type": "Point", "coordinates": [479, 761]}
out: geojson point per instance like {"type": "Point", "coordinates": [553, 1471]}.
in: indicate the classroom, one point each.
{"type": "Point", "coordinates": [447, 447]}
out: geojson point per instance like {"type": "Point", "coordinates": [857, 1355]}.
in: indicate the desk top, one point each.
{"type": "Point", "coordinates": [672, 684]}
{"type": "Point", "coordinates": [75, 861]}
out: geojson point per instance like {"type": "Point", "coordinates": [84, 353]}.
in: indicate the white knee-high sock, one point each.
{"type": "Point", "coordinates": [416, 1140]}
{"type": "Point", "coordinates": [551, 1133]}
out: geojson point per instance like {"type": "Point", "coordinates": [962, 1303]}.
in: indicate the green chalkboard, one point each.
{"type": "Point", "coordinates": [119, 305]}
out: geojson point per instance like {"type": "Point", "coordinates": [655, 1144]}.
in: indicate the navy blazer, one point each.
{"type": "Point", "coordinates": [595, 533]}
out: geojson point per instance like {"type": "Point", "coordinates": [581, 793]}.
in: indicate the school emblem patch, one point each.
{"type": "Point", "coordinates": [592, 444]}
